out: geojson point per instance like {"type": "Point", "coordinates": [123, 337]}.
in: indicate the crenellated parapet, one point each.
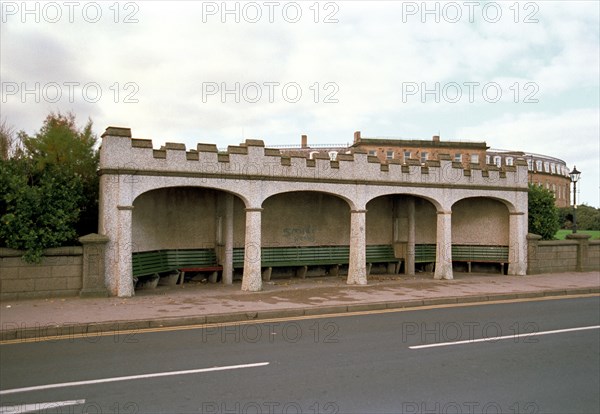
{"type": "Point", "coordinates": [251, 160]}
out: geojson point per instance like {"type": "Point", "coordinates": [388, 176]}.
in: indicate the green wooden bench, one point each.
{"type": "Point", "coordinates": [148, 263]}
{"type": "Point", "coordinates": [303, 256]}
{"type": "Point", "coordinates": [479, 254]}
{"type": "Point", "coordinates": [383, 253]}
{"type": "Point", "coordinates": [238, 257]}
{"type": "Point", "coordinates": [183, 260]}
{"type": "Point", "coordinates": [424, 253]}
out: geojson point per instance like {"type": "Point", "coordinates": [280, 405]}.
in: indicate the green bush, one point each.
{"type": "Point", "coordinates": [543, 213]}
{"type": "Point", "coordinates": [39, 208]}
{"type": "Point", "coordinates": [49, 187]}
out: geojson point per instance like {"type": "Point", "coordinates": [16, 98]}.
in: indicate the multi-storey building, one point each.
{"type": "Point", "coordinates": [549, 172]}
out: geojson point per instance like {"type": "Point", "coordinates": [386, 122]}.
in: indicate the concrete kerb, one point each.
{"type": "Point", "coordinates": [127, 326]}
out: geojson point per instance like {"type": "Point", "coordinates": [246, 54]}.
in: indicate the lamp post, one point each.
{"type": "Point", "coordinates": [574, 178]}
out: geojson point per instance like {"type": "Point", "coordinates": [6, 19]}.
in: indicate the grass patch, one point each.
{"type": "Point", "coordinates": [560, 235]}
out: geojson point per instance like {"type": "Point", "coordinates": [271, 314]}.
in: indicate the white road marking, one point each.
{"type": "Point", "coordinates": [498, 338]}
{"type": "Point", "coordinates": [129, 378]}
{"type": "Point", "coordinates": [29, 408]}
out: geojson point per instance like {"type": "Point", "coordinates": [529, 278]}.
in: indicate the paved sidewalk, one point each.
{"type": "Point", "coordinates": [202, 303]}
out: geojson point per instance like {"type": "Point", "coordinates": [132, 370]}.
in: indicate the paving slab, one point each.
{"type": "Point", "coordinates": [201, 303]}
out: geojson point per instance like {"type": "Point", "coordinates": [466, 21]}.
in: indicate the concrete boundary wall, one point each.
{"type": "Point", "coordinates": [77, 270]}
{"type": "Point", "coordinates": [63, 271]}
{"type": "Point", "coordinates": [575, 254]}
{"type": "Point", "coordinates": [58, 274]}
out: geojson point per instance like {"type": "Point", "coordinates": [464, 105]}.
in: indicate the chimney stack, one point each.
{"type": "Point", "coordinates": [436, 138]}
{"type": "Point", "coordinates": [304, 141]}
{"type": "Point", "coordinates": [356, 137]}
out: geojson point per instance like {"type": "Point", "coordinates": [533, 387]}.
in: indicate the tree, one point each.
{"type": "Point", "coordinates": [9, 144]}
{"type": "Point", "coordinates": [588, 218]}
{"type": "Point", "coordinates": [62, 144]}
{"type": "Point", "coordinates": [543, 213]}
{"type": "Point", "coordinates": [50, 188]}
{"type": "Point", "coordinates": [565, 217]}
{"type": "Point", "coordinates": [39, 208]}
{"type": "Point", "coordinates": [59, 142]}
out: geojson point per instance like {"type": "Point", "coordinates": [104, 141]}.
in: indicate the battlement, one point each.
{"type": "Point", "coordinates": [251, 160]}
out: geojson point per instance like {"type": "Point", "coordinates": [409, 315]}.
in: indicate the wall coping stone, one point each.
{"type": "Point", "coordinates": [577, 236]}
{"type": "Point", "coordinates": [53, 251]}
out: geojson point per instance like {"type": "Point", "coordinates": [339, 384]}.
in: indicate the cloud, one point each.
{"type": "Point", "coordinates": [572, 135]}
{"type": "Point", "coordinates": [166, 59]}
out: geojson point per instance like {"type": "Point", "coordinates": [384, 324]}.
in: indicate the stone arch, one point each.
{"type": "Point", "coordinates": [407, 222]}
{"type": "Point", "coordinates": [510, 205]}
{"type": "Point", "coordinates": [142, 185]}
{"type": "Point", "coordinates": [305, 218]}
{"type": "Point", "coordinates": [182, 217]}
{"type": "Point", "coordinates": [387, 218]}
{"type": "Point", "coordinates": [310, 188]}
{"type": "Point", "coordinates": [481, 221]}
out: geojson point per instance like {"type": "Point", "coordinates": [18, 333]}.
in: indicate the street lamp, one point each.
{"type": "Point", "coordinates": [574, 178]}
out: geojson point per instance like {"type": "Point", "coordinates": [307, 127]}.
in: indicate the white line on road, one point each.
{"type": "Point", "coordinates": [130, 378]}
{"type": "Point", "coordinates": [498, 338]}
{"type": "Point", "coordinates": [29, 408]}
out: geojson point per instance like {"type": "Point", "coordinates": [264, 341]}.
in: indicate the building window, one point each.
{"type": "Point", "coordinates": [509, 161]}
{"type": "Point", "coordinates": [406, 156]}
{"type": "Point", "coordinates": [333, 155]}
{"type": "Point", "coordinates": [457, 157]}
{"type": "Point", "coordinates": [475, 158]}
{"type": "Point", "coordinates": [546, 166]}
{"type": "Point", "coordinates": [538, 166]}
{"type": "Point", "coordinates": [389, 155]}
{"type": "Point", "coordinates": [312, 155]}
{"type": "Point", "coordinates": [498, 161]}
{"type": "Point", "coordinates": [423, 157]}
{"type": "Point", "coordinates": [553, 168]}
{"type": "Point", "coordinates": [373, 152]}
{"type": "Point", "coordinates": [530, 164]}
{"type": "Point", "coordinates": [487, 160]}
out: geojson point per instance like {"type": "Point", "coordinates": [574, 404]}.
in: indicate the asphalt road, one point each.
{"type": "Point", "coordinates": [352, 364]}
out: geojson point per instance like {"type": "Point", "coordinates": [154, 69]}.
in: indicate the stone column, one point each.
{"type": "Point", "coordinates": [357, 269]}
{"type": "Point", "coordinates": [443, 251]}
{"type": "Point", "coordinates": [228, 241]}
{"type": "Point", "coordinates": [410, 254]}
{"type": "Point", "coordinates": [517, 245]}
{"type": "Point", "coordinates": [582, 249]}
{"type": "Point", "coordinates": [94, 249]}
{"type": "Point", "coordinates": [532, 253]}
{"type": "Point", "coordinates": [123, 265]}
{"type": "Point", "coordinates": [252, 280]}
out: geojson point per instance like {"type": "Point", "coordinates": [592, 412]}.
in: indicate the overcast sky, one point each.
{"type": "Point", "coordinates": [518, 75]}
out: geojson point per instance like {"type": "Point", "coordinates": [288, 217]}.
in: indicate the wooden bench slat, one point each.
{"type": "Point", "coordinates": [480, 253]}
{"type": "Point", "coordinates": [159, 261]}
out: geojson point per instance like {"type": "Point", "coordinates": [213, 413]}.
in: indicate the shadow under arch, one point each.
{"type": "Point", "coordinates": [407, 223]}
{"type": "Point", "coordinates": [436, 204]}
{"type": "Point", "coordinates": [481, 233]}
{"type": "Point", "coordinates": [508, 204]}
{"type": "Point", "coordinates": [305, 218]}
{"type": "Point", "coordinates": [192, 186]}
{"type": "Point", "coordinates": [350, 203]}
{"type": "Point", "coordinates": [182, 217]}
